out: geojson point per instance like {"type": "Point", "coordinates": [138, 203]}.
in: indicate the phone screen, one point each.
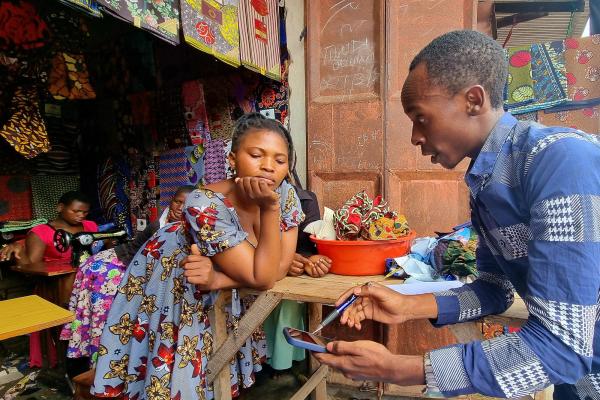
{"type": "Point", "coordinates": [308, 337]}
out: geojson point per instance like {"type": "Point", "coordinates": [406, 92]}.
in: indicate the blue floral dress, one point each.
{"type": "Point", "coordinates": [157, 339]}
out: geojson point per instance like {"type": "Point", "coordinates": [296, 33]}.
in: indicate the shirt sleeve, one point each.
{"type": "Point", "coordinates": [212, 222]}
{"type": "Point", "coordinates": [291, 210]}
{"type": "Point", "coordinates": [561, 188]}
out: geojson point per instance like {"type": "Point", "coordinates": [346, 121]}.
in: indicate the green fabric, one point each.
{"type": "Point", "coordinates": [46, 190]}
{"type": "Point", "coordinates": [520, 81]}
{"type": "Point", "coordinates": [10, 226]}
{"type": "Point", "coordinates": [459, 259]}
{"type": "Point", "coordinates": [280, 353]}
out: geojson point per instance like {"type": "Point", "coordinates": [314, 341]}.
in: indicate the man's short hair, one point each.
{"type": "Point", "coordinates": [460, 59]}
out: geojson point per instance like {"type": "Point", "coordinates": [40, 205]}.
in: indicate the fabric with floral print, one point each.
{"type": "Point", "coordinates": [212, 26]}
{"type": "Point", "coordinates": [582, 61]}
{"type": "Point", "coordinates": [158, 337]}
{"type": "Point", "coordinates": [160, 17]}
{"type": "Point", "coordinates": [93, 292]}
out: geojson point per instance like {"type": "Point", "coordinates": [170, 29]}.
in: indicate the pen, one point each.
{"type": "Point", "coordinates": [335, 313]}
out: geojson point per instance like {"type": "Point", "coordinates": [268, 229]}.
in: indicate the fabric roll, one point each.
{"type": "Point", "coordinates": [548, 75]}
{"type": "Point", "coordinates": [259, 37]}
{"type": "Point", "coordinates": [15, 198]}
{"type": "Point", "coordinates": [47, 190]}
{"type": "Point", "coordinates": [582, 61]}
{"type": "Point", "coordinates": [585, 119]}
{"type": "Point", "coordinates": [212, 27]}
{"type": "Point", "coordinates": [520, 83]}
{"type": "Point", "coordinates": [170, 120]}
{"type": "Point", "coordinates": [173, 173]}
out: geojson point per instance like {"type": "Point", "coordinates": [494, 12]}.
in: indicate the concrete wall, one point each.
{"type": "Point", "coordinates": [294, 26]}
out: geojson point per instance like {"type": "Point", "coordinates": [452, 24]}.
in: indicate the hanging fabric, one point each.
{"type": "Point", "coordinates": [179, 167]}
{"type": "Point", "coordinates": [25, 130]}
{"type": "Point", "coordinates": [89, 7]}
{"type": "Point", "coordinates": [214, 161]}
{"type": "Point", "coordinates": [22, 28]}
{"type": "Point", "coordinates": [259, 37]}
{"type": "Point", "coordinates": [220, 123]}
{"type": "Point", "coordinates": [194, 111]}
{"type": "Point", "coordinates": [69, 78]}
{"type": "Point", "coordinates": [15, 198]}
{"type": "Point", "coordinates": [112, 193]}
{"type": "Point", "coordinates": [586, 119]}
{"type": "Point", "coordinates": [160, 17]}
{"type": "Point", "coordinates": [46, 190]}
{"type": "Point", "coordinates": [212, 26]}
{"type": "Point", "coordinates": [170, 119]}
{"type": "Point", "coordinates": [582, 60]}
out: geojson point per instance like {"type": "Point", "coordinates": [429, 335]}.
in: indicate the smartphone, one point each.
{"type": "Point", "coordinates": [306, 340]}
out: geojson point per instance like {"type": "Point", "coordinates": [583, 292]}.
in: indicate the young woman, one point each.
{"type": "Point", "coordinates": [72, 209]}
{"type": "Point", "coordinates": [96, 285]}
{"type": "Point", "coordinates": [157, 338]}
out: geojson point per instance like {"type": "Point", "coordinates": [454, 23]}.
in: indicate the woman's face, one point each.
{"type": "Point", "coordinates": [262, 153]}
{"type": "Point", "coordinates": [73, 213]}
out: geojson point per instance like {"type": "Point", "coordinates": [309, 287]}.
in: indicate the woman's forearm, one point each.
{"type": "Point", "coordinates": [267, 255]}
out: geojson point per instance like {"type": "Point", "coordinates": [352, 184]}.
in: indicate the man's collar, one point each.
{"type": "Point", "coordinates": [482, 166]}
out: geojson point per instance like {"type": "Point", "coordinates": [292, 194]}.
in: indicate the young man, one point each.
{"type": "Point", "coordinates": [535, 201]}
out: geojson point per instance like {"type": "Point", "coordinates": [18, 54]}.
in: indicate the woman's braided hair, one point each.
{"type": "Point", "coordinates": [257, 121]}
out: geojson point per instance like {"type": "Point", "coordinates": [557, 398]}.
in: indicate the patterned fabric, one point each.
{"type": "Point", "coordinates": [194, 108]}
{"type": "Point", "coordinates": [364, 218]}
{"type": "Point", "coordinates": [15, 198]}
{"type": "Point", "coordinates": [259, 37]}
{"type": "Point", "coordinates": [212, 26]}
{"type": "Point", "coordinates": [112, 193]}
{"type": "Point", "coordinates": [88, 6]}
{"type": "Point", "coordinates": [69, 78]}
{"type": "Point", "coordinates": [585, 119]}
{"type": "Point", "coordinates": [22, 28]}
{"type": "Point", "coordinates": [539, 236]}
{"type": "Point", "coordinates": [220, 122]}
{"type": "Point", "coordinates": [25, 129]}
{"type": "Point", "coordinates": [179, 167]}
{"type": "Point", "coordinates": [94, 289]}
{"type": "Point", "coordinates": [171, 124]}
{"type": "Point", "coordinates": [272, 97]}
{"type": "Point", "coordinates": [46, 190]}
{"type": "Point", "coordinates": [158, 17]}
{"type": "Point", "coordinates": [63, 156]}
{"type": "Point", "coordinates": [214, 162]}
{"type": "Point", "coordinates": [143, 187]}
{"type": "Point", "coordinates": [582, 60]}
{"type": "Point", "coordinates": [520, 83]}
{"type": "Point", "coordinates": [549, 77]}
{"type": "Point", "coordinates": [158, 338]}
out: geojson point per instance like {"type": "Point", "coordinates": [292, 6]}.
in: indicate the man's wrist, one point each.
{"type": "Point", "coordinates": [406, 370]}
{"type": "Point", "coordinates": [420, 306]}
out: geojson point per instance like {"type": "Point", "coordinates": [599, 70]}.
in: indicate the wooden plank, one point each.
{"type": "Point", "coordinates": [258, 312]}
{"type": "Point", "coordinates": [30, 314]}
{"type": "Point", "coordinates": [315, 316]}
{"type": "Point", "coordinates": [222, 383]}
{"type": "Point", "coordinates": [45, 269]}
{"type": "Point", "coordinates": [467, 331]}
{"type": "Point", "coordinates": [315, 380]}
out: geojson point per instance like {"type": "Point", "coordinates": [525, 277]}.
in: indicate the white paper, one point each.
{"type": "Point", "coordinates": [425, 287]}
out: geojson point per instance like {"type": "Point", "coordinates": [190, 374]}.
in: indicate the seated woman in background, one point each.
{"type": "Point", "coordinates": [158, 338]}
{"type": "Point", "coordinates": [72, 209]}
{"type": "Point", "coordinates": [96, 285]}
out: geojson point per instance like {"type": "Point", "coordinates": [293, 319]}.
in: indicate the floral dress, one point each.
{"type": "Point", "coordinates": [157, 339]}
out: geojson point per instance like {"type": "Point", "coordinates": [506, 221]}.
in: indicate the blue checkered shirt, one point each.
{"type": "Point", "coordinates": [535, 202]}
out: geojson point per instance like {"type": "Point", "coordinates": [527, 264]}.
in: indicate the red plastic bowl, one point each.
{"type": "Point", "coordinates": [362, 257]}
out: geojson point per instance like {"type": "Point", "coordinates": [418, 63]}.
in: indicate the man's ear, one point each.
{"type": "Point", "coordinates": [476, 100]}
{"type": "Point", "coordinates": [59, 207]}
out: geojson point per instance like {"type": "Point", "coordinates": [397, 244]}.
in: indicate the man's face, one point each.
{"type": "Point", "coordinates": [440, 120]}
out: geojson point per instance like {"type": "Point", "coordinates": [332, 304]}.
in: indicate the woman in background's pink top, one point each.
{"type": "Point", "coordinates": [46, 233]}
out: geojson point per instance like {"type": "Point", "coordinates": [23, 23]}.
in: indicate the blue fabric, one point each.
{"type": "Point", "coordinates": [535, 199]}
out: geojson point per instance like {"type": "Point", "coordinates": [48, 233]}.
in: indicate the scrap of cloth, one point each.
{"type": "Point", "coordinates": [259, 37]}
{"type": "Point", "coordinates": [582, 60]}
{"type": "Point", "coordinates": [212, 26]}
{"type": "Point", "coordinates": [25, 130]}
{"type": "Point", "coordinates": [160, 18]}
{"type": "Point", "coordinates": [15, 198]}
{"type": "Point", "coordinates": [88, 6]}
{"type": "Point", "coordinates": [69, 78]}
{"type": "Point", "coordinates": [194, 111]}
{"type": "Point", "coordinates": [354, 220]}
{"type": "Point", "coordinates": [520, 83]}
{"type": "Point", "coordinates": [218, 107]}
{"type": "Point", "coordinates": [22, 28]}
{"type": "Point", "coordinates": [585, 119]}
{"type": "Point", "coordinates": [179, 167]}
{"type": "Point", "coordinates": [214, 161]}
{"type": "Point", "coordinates": [46, 191]}
{"type": "Point", "coordinates": [170, 119]}
{"type": "Point", "coordinates": [112, 192]}
{"type": "Point", "coordinates": [142, 187]}
{"type": "Point", "coordinates": [549, 77]}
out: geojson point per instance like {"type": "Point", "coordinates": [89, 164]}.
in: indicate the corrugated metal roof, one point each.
{"type": "Point", "coordinates": [545, 29]}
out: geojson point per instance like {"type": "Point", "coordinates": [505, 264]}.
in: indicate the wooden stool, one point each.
{"type": "Point", "coordinates": [83, 383]}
